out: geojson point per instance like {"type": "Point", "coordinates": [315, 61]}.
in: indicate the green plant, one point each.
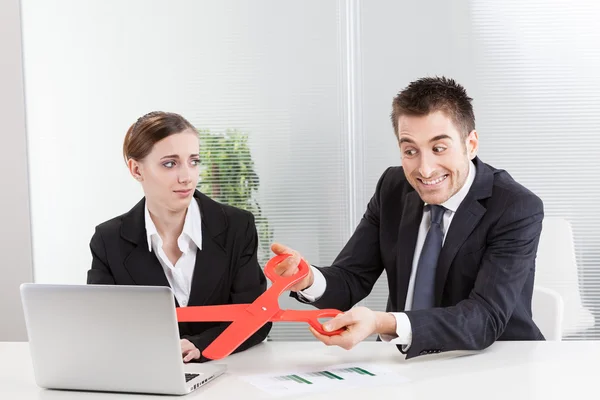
{"type": "Point", "coordinates": [227, 175]}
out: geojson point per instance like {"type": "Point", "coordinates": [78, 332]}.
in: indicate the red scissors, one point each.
{"type": "Point", "coordinates": [248, 318]}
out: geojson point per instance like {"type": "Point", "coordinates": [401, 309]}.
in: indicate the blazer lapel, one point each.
{"type": "Point", "coordinates": [212, 260]}
{"type": "Point", "coordinates": [141, 264]}
{"type": "Point", "coordinates": [464, 221]}
{"type": "Point", "coordinates": [412, 213]}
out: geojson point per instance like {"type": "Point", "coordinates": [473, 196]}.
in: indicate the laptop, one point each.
{"type": "Point", "coordinates": [109, 338]}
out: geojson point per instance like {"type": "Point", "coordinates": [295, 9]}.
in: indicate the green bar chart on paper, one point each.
{"type": "Point", "coordinates": [338, 376]}
{"type": "Point", "coordinates": [293, 378]}
{"type": "Point", "coordinates": [357, 370]}
{"type": "Point", "coordinates": [335, 374]}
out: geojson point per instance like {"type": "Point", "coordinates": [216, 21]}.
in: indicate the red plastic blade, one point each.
{"type": "Point", "coordinates": [226, 312]}
{"type": "Point", "coordinates": [265, 307]}
{"type": "Point", "coordinates": [234, 335]}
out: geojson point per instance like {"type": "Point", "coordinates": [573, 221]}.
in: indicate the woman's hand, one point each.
{"type": "Point", "coordinates": [189, 352]}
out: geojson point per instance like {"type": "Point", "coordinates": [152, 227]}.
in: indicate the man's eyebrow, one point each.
{"type": "Point", "coordinates": [433, 139]}
{"type": "Point", "coordinates": [439, 137]}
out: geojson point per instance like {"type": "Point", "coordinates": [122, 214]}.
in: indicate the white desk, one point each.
{"type": "Point", "coordinates": [506, 370]}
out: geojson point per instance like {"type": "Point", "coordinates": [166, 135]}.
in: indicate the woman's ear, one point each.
{"type": "Point", "coordinates": [135, 169]}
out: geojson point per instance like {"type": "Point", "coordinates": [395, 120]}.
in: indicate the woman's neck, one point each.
{"type": "Point", "coordinates": [169, 224]}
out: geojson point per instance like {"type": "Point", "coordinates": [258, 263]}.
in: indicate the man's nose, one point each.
{"type": "Point", "coordinates": [426, 167]}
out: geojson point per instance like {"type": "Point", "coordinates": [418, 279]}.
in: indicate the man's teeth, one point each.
{"type": "Point", "coordinates": [434, 181]}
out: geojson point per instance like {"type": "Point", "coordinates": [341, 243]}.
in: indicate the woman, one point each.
{"type": "Point", "coordinates": [176, 236]}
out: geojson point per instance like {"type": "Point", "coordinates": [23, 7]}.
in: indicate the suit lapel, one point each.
{"type": "Point", "coordinates": [412, 213]}
{"type": "Point", "coordinates": [212, 260]}
{"type": "Point", "coordinates": [467, 216]}
{"type": "Point", "coordinates": [144, 267]}
{"type": "Point", "coordinates": [141, 264]}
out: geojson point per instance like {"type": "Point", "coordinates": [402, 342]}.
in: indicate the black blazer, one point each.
{"type": "Point", "coordinates": [485, 273]}
{"type": "Point", "coordinates": [226, 271]}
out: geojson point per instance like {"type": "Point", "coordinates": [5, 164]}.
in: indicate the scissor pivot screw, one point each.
{"type": "Point", "coordinates": [264, 308]}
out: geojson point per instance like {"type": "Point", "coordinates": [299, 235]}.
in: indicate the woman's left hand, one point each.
{"type": "Point", "coordinates": [189, 352]}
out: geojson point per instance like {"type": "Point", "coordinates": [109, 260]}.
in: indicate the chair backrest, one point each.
{"type": "Point", "coordinates": [556, 269]}
{"type": "Point", "coordinates": [548, 312]}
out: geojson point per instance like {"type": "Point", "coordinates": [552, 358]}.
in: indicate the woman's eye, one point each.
{"type": "Point", "coordinates": [195, 162]}
{"type": "Point", "coordinates": [169, 164]}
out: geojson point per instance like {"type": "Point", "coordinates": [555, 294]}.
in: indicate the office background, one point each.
{"type": "Point", "coordinates": [311, 83]}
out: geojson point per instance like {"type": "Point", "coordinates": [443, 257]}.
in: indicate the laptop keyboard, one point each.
{"type": "Point", "coordinates": [189, 377]}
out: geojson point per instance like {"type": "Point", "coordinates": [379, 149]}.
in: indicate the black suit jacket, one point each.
{"type": "Point", "coordinates": [226, 271]}
{"type": "Point", "coordinates": [485, 272]}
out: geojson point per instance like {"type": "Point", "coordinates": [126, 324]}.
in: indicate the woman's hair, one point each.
{"type": "Point", "coordinates": [150, 129]}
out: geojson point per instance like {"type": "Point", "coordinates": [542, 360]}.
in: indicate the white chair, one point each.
{"type": "Point", "coordinates": [547, 307]}
{"type": "Point", "coordinates": [556, 270]}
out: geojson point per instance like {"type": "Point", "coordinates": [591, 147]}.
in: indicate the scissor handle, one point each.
{"type": "Point", "coordinates": [312, 318]}
{"type": "Point", "coordinates": [285, 282]}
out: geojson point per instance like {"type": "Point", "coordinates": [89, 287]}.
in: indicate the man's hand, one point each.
{"type": "Point", "coordinates": [360, 323]}
{"type": "Point", "coordinates": [289, 266]}
{"type": "Point", "coordinates": [189, 352]}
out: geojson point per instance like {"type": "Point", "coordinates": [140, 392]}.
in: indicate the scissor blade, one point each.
{"type": "Point", "coordinates": [225, 312]}
{"type": "Point", "coordinates": [234, 335]}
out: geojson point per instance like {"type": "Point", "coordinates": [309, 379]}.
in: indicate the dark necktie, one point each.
{"type": "Point", "coordinates": [424, 290]}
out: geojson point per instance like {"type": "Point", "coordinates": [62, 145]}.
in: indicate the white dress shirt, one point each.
{"type": "Point", "coordinates": [403, 328]}
{"type": "Point", "coordinates": [179, 275]}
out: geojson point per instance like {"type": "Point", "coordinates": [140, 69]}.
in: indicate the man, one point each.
{"type": "Point", "coordinates": [456, 237]}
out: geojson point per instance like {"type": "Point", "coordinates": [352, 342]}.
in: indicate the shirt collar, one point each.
{"type": "Point", "coordinates": [192, 227]}
{"type": "Point", "coordinates": [453, 202]}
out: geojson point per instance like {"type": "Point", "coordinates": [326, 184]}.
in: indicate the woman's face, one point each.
{"type": "Point", "coordinates": [169, 174]}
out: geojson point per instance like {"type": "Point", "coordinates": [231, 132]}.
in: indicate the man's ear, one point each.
{"type": "Point", "coordinates": [472, 144]}
{"type": "Point", "coordinates": [135, 169]}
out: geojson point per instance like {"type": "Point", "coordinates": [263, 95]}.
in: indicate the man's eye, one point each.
{"type": "Point", "coordinates": [410, 152]}
{"type": "Point", "coordinates": [438, 149]}
{"type": "Point", "coordinates": [195, 162]}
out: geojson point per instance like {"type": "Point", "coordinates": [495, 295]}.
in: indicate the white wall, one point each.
{"type": "Point", "coordinates": [270, 68]}
{"type": "Point", "coordinates": [15, 236]}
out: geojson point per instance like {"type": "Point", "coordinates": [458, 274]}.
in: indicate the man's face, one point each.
{"type": "Point", "coordinates": [434, 156]}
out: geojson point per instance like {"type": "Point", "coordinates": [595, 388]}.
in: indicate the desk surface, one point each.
{"type": "Point", "coordinates": [506, 370]}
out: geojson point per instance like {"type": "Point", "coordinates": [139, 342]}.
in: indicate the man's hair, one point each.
{"type": "Point", "coordinates": [427, 95]}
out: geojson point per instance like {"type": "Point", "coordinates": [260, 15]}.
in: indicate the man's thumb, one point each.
{"type": "Point", "coordinates": [338, 322]}
{"type": "Point", "coordinates": [279, 249]}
